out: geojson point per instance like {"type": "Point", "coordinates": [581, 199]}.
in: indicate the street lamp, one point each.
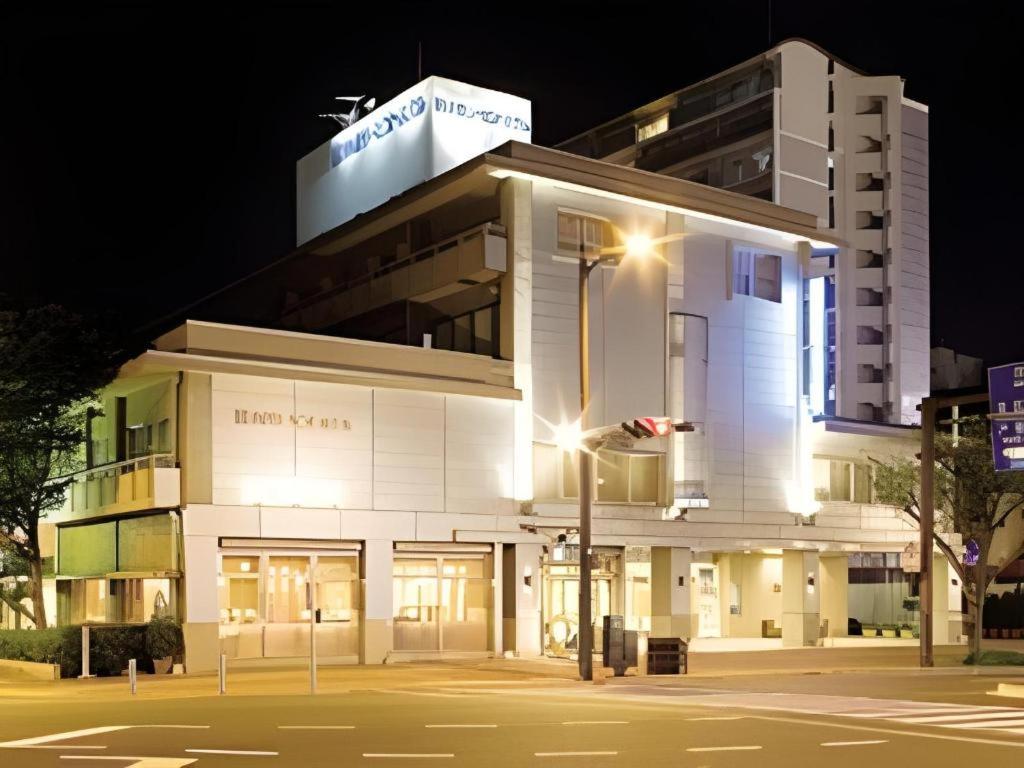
{"type": "Point", "coordinates": [636, 246]}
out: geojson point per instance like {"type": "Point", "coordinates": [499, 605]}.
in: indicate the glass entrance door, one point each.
{"type": "Point", "coordinates": [561, 599]}
{"type": "Point", "coordinates": [442, 603]}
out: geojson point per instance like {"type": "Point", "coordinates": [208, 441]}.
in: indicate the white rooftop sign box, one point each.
{"type": "Point", "coordinates": [421, 133]}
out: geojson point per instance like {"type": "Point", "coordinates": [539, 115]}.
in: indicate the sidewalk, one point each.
{"type": "Point", "coordinates": [293, 678]}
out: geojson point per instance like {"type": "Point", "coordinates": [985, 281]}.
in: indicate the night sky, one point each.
{"type": "Point", "coordinates": [147, 157]}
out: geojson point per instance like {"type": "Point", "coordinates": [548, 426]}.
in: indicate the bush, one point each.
{"type": "Point", "coordinates": [164, 638]}
{"type": "Point", "coordinates": [61, 646]}
{"type": "Point", "coordinates": [997, 659]}
{"type": "Point", "coordinates": [112, 646]}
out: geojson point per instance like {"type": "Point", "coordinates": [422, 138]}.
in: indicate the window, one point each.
{"type": "Point", "coordinates": [757, 274]}
{"type": "Point", "coordinates": [163, 432]}
{"type": "Point", "coordinates": [620, 478]}
{"type": "Point", "coordinates": [476, 332]}
{"type": "Point", "coordinates": [578, 233]}
{"type": "Point", "coordinates": [238, 588]}
{"type": "Point", "coordinates": [652, 128]}
{"type": "Point", "coordinates": [841, 480]}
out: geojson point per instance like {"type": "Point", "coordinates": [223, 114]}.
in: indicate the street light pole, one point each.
{"type": "Point", "coordinates": [927, 527]}
{"type": "Point", "coordinates": [585, 635]}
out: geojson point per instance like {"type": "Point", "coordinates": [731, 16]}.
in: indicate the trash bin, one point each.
{"type": "Point", "coordinates": [666, 656]}
{"type": "Point", "coordinates": [618, 645]}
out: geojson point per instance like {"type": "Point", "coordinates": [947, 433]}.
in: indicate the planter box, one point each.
{"type": "Point", "coordinates": [888, 633]}
{"type": "Point", "coordinates": [163, 666]}
{"type": "Point", "coordinates": [869, 631]}
{"type": "Point", "coordinates": [907, 634]}
{"type": "Point", "coordinates": [28, 670]}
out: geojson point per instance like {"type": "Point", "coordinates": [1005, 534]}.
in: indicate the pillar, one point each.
{"type": "Point", "coordinates": [947, 619]}
{"type": "Point", "coordinates": [835, 593]}
{"type": "Point", "coordinates": [671, 614]}
{"type": "Point", "coordinates": [377, 636]}
{"type": "Point", "coordinates": [521, 590]}
{"type": "Point", "coordinates": [201, 625]}
{"type": "Point", "coordinates": [800, 598]}
{"type": "Point", "coordinates": [497, 590]}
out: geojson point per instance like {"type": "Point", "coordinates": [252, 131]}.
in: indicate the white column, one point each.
{"type": "Point", "coordinates": [378, 611]}
{"type": "Point", "coordinates": [496, 593]}
{"type": "Point", "coordinates": [801, 587]}
{"type": "Point", "coordinates": [201, 626]}
{"type": "Point", "coordinates": [671, 614]}
{"type": "Point", "coordinates": [527, 590]}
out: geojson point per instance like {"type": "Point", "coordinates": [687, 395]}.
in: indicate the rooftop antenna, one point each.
{"type": "Point", "coordinates": [361, 106]}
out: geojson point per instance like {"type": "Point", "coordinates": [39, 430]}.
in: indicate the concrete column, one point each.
{"type": "Point", "coordinates": [947, 619]}
{"type": "Point", "coordinates": [497, 589]}
{"type": "Point", "coordinates": [201, 627]}
{"type": "Point", "coordinates": [522, 591]}
{"type": "Point", "coordinates": [835, 593]}
{"type": "Point", "coordinates": [377, 637]}
{"type": "Point", "coordinates": [516, 311]}
{"type": "Point", "coordinates": [800, 598]}
{"type": "Point", "coordinates": [671, 614]}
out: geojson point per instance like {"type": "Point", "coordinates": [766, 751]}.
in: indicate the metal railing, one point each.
{"type": "Point", "coordinates": [119, 482]}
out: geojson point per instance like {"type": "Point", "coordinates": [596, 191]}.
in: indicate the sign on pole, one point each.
{"type": "Point", "coordinates": [911, 558]}
{"type": "Point", "coordinates": [1006, 404]}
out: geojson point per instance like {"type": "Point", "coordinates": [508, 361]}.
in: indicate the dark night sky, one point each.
{"type": "Point", "coordinates": [146, 158]}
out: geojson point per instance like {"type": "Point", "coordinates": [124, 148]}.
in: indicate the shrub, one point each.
{"type": "Point", "coordinates": [112, 646]}
{"type": "Point", "coordinates": [164, 638]}
{"type": "Point", "coordinates": [46, 646]}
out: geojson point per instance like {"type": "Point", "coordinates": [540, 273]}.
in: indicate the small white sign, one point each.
{"type": "Point", "coordinates": [911, 559]}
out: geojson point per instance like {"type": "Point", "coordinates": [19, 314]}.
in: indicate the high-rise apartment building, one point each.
{"type": "Point", "coordinates": [800, 128]}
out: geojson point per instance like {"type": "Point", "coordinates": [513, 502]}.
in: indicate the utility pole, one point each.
{"type": "Point", "coordinates": [585, 636]}
{"type": "Point", "coordinates": [927, 527]}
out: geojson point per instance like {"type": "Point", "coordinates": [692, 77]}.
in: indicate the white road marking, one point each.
{"type": "Point", "coordinates": [254, 753]}
{"type": "Point", "coordinates": [700, 719]}
{"type": "Point", "coordinates": [596, 722]}
{"type": "Point", "coordinates": [62, 736]}
{"type": "Point", "coordinates": [964, 716]}
{"type": "Point", "coordinates": [61, 746]}
{"type": "Point", "coordinates": [466, 725]}
{"type": "Point", "coordinates": [408, 754]}
{"type": "Point", "coordinates": [723, 749]}
{"type": "Point", "coordinates": [853, 743]}
{"type": "Point", "coordinates": [996, 725]}
{"type": "Point", "coordinates": [315, 727]}
{"type": "Point", "coordinates": [36, 741]}
{"type": "Point", "coordinates": [140, 762]}
{"type": "Point", "coordinates": [574, 754]}
{"type": "Point", "coordinates": [891, 731]}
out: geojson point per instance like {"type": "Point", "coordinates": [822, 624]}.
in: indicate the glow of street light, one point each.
{"type": "Point", "coordinates": [569, 436]}
{"type": "Point", "coordinates": [638, 246]}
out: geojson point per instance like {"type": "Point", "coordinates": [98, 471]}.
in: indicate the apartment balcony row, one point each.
{"type": "Point", "coordinates": [473, 257]}
{"type": "Point", "coordinates": [146, 482]}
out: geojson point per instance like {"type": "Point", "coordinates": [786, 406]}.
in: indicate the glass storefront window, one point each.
{"type": "Point", "coordinates": [238, 590]}
{"type": "Point", "coordinates": [286, 589]}
{"type": "Point", "coordinates": [442, 603]}
{"type": "Point", "coordinates": [145, 599]}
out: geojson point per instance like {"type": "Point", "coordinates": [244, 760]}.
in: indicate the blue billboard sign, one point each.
{"type": "Point", "coordinates": [1006, 396]}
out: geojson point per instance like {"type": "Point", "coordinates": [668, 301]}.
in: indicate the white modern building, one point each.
{"type": "Point", "coordinates": [799, 127]}
{"type": "Point", "coordinates": [371, 427]}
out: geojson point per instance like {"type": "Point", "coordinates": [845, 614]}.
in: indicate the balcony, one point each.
{"type": "Point", "coordinates": [146, 482]}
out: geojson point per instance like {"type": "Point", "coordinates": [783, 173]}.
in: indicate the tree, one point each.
{"type": "Point", "coordinates": [971, 499]}
{"type": "Point", "coordinates": [52, 363]}
{"type": "Point", "coordinates": [13, 580]}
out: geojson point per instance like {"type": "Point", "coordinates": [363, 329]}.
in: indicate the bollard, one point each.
{"type": "Point", "coordinates": [85, 652]}
{"type": "Point", "coordinates": [132, 674]}
{"type": "Point", "coordinates": [222, 671]}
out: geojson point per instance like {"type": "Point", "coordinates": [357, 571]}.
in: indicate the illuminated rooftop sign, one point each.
{"type": "Point", "coordinates": [421, 133]}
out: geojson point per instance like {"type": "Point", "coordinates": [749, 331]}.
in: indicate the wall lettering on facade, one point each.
{"type": "Point", "coordinates": [382, 126]}
{"type": "Point", "coordinates": [453, 107]}
{"type": "Point", "coordinates": [245, 416]}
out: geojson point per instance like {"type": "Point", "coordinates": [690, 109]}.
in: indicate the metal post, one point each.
{"type": "Point", "coordinates": [927, 526]}
{"type": "Point", "coordinates": [132, 674]}
{"type": "Point", "coordinates": [585, 637]}
{"type": "Point", "coordinates": [222, 675]}
{"type": "Point", "coordinates": [85, 652]}
{"type": "Point", "coordinates": [311, 605]}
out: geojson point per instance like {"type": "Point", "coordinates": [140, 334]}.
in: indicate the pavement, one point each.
{"type": "Point", "coordinates": [794, 707]}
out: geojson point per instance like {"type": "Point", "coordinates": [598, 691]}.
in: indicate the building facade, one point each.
{"type": "Point", "coordinates": [370, 432]}
{"type": "Point", "coordinates": [798, 127]}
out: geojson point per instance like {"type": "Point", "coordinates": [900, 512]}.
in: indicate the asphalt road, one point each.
{"type": "Point", "coordinates": [635, 724]}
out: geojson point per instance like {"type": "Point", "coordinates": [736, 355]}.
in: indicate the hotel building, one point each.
{"type": "Point", "coordinates": [369, 427]}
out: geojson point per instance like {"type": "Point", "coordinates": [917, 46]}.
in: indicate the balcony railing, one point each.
{"type": "Point", "coordinates": [141, 483]}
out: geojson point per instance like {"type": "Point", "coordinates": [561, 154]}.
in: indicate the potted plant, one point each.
{"type": "Point", "coordinates": [869, 630]}
{"type": "Point", "coordinates": [163, 642]}
{"type": "Point", "coordinates": [906, 632]}
{"type": "Point", "coordinates": [889, 630]}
